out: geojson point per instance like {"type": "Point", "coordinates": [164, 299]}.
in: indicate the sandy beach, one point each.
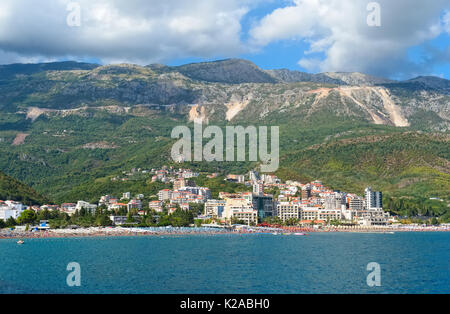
{"type": "Point", "coordinates": [127, 232]}
{"type": "Point", "coordinates": [121, 232]}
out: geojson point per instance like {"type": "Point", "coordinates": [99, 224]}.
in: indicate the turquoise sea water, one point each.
{"type": "Point", "coordinates": [235, 264]}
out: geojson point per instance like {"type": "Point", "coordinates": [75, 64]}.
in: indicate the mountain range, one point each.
{"type": "Point", "coordinates": [66, 127]}
{"type": "Point", "coordinates": [230, 89]}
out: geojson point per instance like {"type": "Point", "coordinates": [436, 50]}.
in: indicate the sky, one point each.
{"type": "Point", "coordinates": [399, 39]}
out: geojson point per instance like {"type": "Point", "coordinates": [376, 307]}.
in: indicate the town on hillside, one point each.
{"type": "Point", "coordinates": [295, 203]}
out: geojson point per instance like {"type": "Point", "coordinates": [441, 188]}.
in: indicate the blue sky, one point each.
{"type": "Point", "coordinates": [412, 38]}
{"type": "Point", "coordinates": [420, 54]}
{"type": "Point", "coordinates": [286, 53]}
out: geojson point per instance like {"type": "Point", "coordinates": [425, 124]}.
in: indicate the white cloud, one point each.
{"type": "Point", "coordinates": [338, 30]}
{"type": "Point", "coordinates": [138, 31]}
{"type": "Point", "coordinates": [12, 57]}
{"type": "Point", "coordinates": [147, 31]}
{"type": "Point", "coordinates": [446, 21]}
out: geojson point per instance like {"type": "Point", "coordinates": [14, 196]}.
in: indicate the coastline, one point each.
{"type": "Point", "coordinates": [145, 232]}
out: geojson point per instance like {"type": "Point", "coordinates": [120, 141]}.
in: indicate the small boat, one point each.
{"type": "Point", "coordinates": [20, 242]}
{"type": "Point", "coordinates": [300, 234]}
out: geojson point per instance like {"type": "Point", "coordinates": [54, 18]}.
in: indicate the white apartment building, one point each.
{"type": "Point", "coordinates": [356, 204]}
{"type": "Point", "coordinates": [205, 193]}
{"type": "Point", "coordinates": [126, 195]}
{"type": "Point", "coordinates": [334, 201]}
{"type": "Point", "coordinates": [269, 179]}
{"type": "Point", "coordinates": [288, 210]}
{"type": "Point", "coordinates": [215, 208]}
{"type": "Point", "coordinates": [117, 206]}
{"type": "Point", "coordinates": [10, 209]}
{"type": "Point", "coordinates": [134, 205]}
{"type": "Point", "coordinates": [15, 205]}
{"type": "Point", "coordinates": [374, 200]}
{"type": "Point", "coordinates": [157, 206]}
{"type": "Point", "coordinates": [104, 200]}
{"type": "Point", "coordinates": [258, 188]}
{"type": "Point", "coordinates": [89, 207]}
{"type": "Point", "coordinates": [69, 208]}
{"type": "Point", "coordinates": [250, 217]}
{"type": "Point", "coordinates": [253, 176]}
{"type": "Point", "coordinates": [6, 213]}
{"type": "Point", "coordinates": [349, 214]}
{"type": "Point", "coordinates": [241, 209]}
{"type": "Point", "coordinates": [309, 213]}
{"type": "Point", "coordinates": [329, 215]}
{"type": "Point", "coordinates": [373, 221]}
{"type": "Point", "coordinates": [165, 195]}
{"type": "Point", "coordinates": [239, 178]}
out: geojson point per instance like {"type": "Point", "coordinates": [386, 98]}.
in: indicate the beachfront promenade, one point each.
{"type": "Point", "coordinates": [172, 231]}
{"type": "Point", "coordinates": [119, 231]}
{"type": "Point", "coordinates": [363, 229]}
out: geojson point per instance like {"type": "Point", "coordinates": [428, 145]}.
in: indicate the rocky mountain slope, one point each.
{"type": "Point", "coordinates": [12, 71]}
{"type": "Point", "coordinates": [233, 90]}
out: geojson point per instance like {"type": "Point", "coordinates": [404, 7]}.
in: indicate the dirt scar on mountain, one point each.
{"type": "Point", "coordinates": [196, 114]}
{"type": "Point", "coordinates": [394, 114]}
{"type": "Point", "coordinates": [34, 113]}
{"type": "Point", "coordinates": [235, 107]}
{"type": "Point", "coordinates": [20, 139]}
{"type": "Point", "coordinates": [392, 109]}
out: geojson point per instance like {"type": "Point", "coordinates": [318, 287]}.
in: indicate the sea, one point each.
{"type": "Point", "coordinates": [319, 263]}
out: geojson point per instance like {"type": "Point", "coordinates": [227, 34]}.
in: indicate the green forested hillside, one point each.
{"type": "Point", "coordinates": [56, 157]}
{"type": "Point", "coordinates": [407, 163]}
{"type": "Point", "coordinates": [11, 189]}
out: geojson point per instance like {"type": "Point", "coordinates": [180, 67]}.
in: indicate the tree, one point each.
{"type": "Point", "coordinates": [83, 212]}
{"type": "Point", "coordinates": [235, 221]}
{"type": "Point", "coordinates": [149, 220]}
{"type": "Point", "coordinates": [275, 220]}
{"type": "Point", "coordinates": [164, 220]}
{"type": "Point", "coordinates": [11, 222]}
{"type": "Point", "coordinates": [291, 222]}
{"type": "Point", "coordinates": [335, 223]}
{"type": "Point", "coordinates": [196, 209]}
{"type": "Point", "coordinates": [103, 221]}
{"type": "Point", "coordinates": [2, 224]}
{"type": "Point", "coordinates": [59, 222]}
{"type": "Point", "coordinates": [181, 218]}
{"type": "Point", "coordinates": [44, 215]}
{"type": "Point", "coordinates": [434, 221]}
{"type": "Point", "coordinates": [123, 211]}
{"type": "Point", "coordinates": [26, 217]}
{"type": "Point", "coordinates": [130, 218]}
